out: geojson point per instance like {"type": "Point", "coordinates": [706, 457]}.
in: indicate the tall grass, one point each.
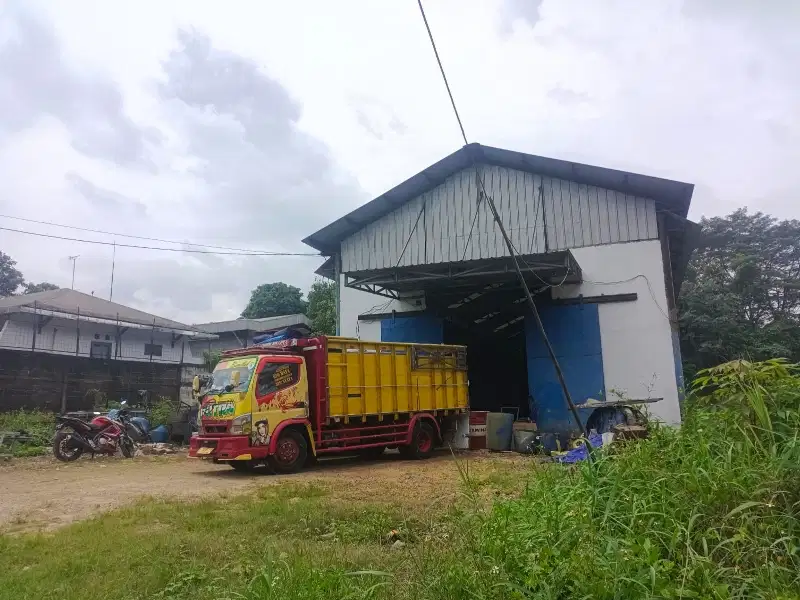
{"type": "Point", "coordinates": [707, 511]}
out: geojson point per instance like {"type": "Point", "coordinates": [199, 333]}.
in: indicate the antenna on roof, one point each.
{"type": "Point", "coordinates": [74, 259]}
{"type": "Point", "coordinates": [113, 262]}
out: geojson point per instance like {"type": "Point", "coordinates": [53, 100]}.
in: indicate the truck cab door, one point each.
{"type": "Point", "coordinates": [281, 393]}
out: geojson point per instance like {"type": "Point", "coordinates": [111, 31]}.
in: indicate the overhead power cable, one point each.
{"type": "Point", "coordinates": [509, 245]}
{"type": "Point", "coordinates": [189, 250]}
{"type": "Point", "coordinates": [129, 235]}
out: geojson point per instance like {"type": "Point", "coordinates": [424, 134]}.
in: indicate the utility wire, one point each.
{"type": "Point", "coordinates": [127, 235]}
{"type": "Point", "coordinates": [190, 250]}
{"type": "Point", "coordinates": [509, 245]}
{"type": "Point", "coordinates": [441, 70]}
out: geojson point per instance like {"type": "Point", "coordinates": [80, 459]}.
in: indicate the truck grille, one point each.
{"type": "Point", "coordinates": [215, 428]}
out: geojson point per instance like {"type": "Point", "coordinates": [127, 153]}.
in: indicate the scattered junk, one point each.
{"type": "Point", "coordinates": [499, 430]}
{"type": "Point", "coordinates": [160, 434]}
{"type": "Point", "coordinates": [9, 441]}
{"type": "Point", "coordinates": [158, 449]}
{"type": "Point", "coordinates": [616, 420]}
{"type": "Point", "coordinates": [524, 437]}
{"type": "Point", "coordinates": [581, 450]}
{"type": "Point", "coordinates": [477, 429]}
{"type": "Point", "coordinates": [629, 432]}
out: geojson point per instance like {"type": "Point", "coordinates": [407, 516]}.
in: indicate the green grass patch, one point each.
{"type": "Point", "coordinates": [206, 549]}
{"type": "Point", "coordinates": [38, 425]}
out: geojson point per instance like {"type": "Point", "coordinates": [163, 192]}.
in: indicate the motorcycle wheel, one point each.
{"type": "Point", "coordinates": [127, 447]}
{"type": "Point", "coordinates": [61, 449]}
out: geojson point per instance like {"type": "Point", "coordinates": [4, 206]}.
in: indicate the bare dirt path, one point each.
{"type": "Point", "coordinates": [42, 493]}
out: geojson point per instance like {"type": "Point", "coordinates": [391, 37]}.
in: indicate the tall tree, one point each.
{"type": "Point", "coordinates": [322, 307]}
{"type": "Point", "coordinates": [741, 297]}
{"type": "Point", "coordinates": [10, 277]}
{"type": "Point", "coordinates": [274, 299]}
{"type": "Point", "coordinates": [32, 288]}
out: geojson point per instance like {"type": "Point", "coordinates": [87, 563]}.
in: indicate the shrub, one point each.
{"type": "Point", "coordinates": [708, 511]}
{"type": "Point", "coordinates": [162, 411]}
{"type": "Point", "coordinates": [39, 426]}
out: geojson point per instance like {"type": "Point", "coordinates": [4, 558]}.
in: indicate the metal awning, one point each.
{"type": "Point", "coordinates": [548, 269]}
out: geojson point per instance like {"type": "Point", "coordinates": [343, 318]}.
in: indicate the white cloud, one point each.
{"type": "Point", "coordinates": [251, 125]}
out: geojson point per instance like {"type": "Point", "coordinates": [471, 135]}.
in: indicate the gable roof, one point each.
{"type": "Point", "coordinates": [73, 302]}
{"type": "Point", "coordinates": [256, 325]}
{"type": "Point", "coordinates": [672, 196]}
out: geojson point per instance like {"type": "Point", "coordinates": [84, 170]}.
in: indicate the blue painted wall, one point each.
{"type": "Point", "coordinates": [420, 330]}
{"type": "Point", "coordinates": [574, 333]}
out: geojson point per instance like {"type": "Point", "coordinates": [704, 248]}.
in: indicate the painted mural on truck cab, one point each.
{"type": "Point", "coordinates": [280, 392]}
{"type": "Point", "coordinates": [257, 394]}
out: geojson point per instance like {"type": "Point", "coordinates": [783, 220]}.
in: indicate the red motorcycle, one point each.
{"type": "Point", "coordinates": [101, 435]}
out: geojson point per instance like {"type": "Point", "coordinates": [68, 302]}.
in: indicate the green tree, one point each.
{"type": "Point", "coordinates": [32, 288]}
{"type": "Point", "coordinates": [10, 277]}
{"type": "Point", "coordinates": [741, 297]}
{"type": "Point", "coordinates": [211, 359]}
{"type": "Point", "coordinates": [322, 307]}
{"type": "Point", "coordinates": [273, 300]}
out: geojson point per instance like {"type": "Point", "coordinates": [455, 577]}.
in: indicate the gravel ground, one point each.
{"type": "Point", "coordinates": [42, 493]}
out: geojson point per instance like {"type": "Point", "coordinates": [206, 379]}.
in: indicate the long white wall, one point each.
{"type": "Point", "coordinates": [355, 302]}
{"type": "Point", "coordinates": [638, 359]}
{"type": "Point", "coordinates": [58, 336]}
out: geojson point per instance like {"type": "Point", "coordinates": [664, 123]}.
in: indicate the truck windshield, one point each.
{"type": "Point", "coordinates": [232, 376]}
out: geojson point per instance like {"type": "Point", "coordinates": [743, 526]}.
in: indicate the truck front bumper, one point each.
{"type": "Point", "coordinates": [225, 447]}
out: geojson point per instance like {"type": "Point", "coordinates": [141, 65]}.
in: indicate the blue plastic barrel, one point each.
{"type": "Point", "coordinates": [159, 434]}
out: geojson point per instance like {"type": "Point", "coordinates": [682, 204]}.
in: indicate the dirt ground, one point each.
{"type": "Point", "coordinates": [42, 494]}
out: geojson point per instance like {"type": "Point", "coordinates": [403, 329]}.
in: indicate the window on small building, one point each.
{"type": "Point", "coordinates": [100, 350]}
{"type": "Point", "coordinates": [153, 349]}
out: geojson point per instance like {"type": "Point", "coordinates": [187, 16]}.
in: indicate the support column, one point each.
{"type": "Point", "coordinates": [63, 390]}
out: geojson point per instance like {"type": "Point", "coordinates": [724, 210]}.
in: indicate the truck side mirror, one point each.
{"type": "Point", "coordinates": [196, 384]}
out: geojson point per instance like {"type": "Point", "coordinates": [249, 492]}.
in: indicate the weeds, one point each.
{"type": "Point", "coordinates": [38, 425]}
{"type": "Point", "coordinates": [708, 511]}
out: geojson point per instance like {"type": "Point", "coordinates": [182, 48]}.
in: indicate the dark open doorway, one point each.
{"type": "Point", "coordinates": [497, 366]}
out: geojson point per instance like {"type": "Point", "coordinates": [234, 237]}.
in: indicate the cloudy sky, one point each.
{"type": "Point", "coordinates": [251, 124]}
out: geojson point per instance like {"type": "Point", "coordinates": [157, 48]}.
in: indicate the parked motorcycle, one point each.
{"type": "Point", "coordinates": [101, 435]}
{"type": "Point", "coordinates": [138, 428]}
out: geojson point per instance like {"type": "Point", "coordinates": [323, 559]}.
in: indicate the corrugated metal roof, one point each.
{"type": "Point", "coordinates": [73, 302]}
{"type": "Point", "coordinates": [674, 196]}
{"type": "Point", "coordinates": [257, 325]}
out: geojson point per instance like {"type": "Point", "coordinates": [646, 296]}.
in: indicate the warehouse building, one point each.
{"type": "Point", "coordinates": [603, 251]}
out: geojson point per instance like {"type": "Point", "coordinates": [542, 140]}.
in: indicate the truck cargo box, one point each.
{"type": "Point", "coordinates": [379, 378]}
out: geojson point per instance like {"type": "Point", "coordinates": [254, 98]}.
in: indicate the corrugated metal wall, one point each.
{"type": "Point", "coordinates": [576, 216]}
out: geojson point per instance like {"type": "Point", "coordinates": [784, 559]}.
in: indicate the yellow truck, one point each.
{"type": "Point", "coordinates": [283, 403]}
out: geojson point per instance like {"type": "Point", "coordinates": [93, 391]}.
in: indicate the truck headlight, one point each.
{"type": "Point", "coordinates": [241, 425]}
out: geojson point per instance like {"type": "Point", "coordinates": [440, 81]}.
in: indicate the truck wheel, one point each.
{"type": "Point", "coordinates": [423, 441]}
{"type": "Point", "coordinates": [291, 452]}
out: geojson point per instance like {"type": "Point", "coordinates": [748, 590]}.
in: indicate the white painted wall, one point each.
{"type": "Point", "coordinates": [355, 302]}
{"type": "Point", "coordinates": [638, 360]}
{"type": "Point", "coordinates": [58, 336]}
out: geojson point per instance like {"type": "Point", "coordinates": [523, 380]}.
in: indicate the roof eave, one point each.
{"type": "Point", "coordinates": [185, 331]}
